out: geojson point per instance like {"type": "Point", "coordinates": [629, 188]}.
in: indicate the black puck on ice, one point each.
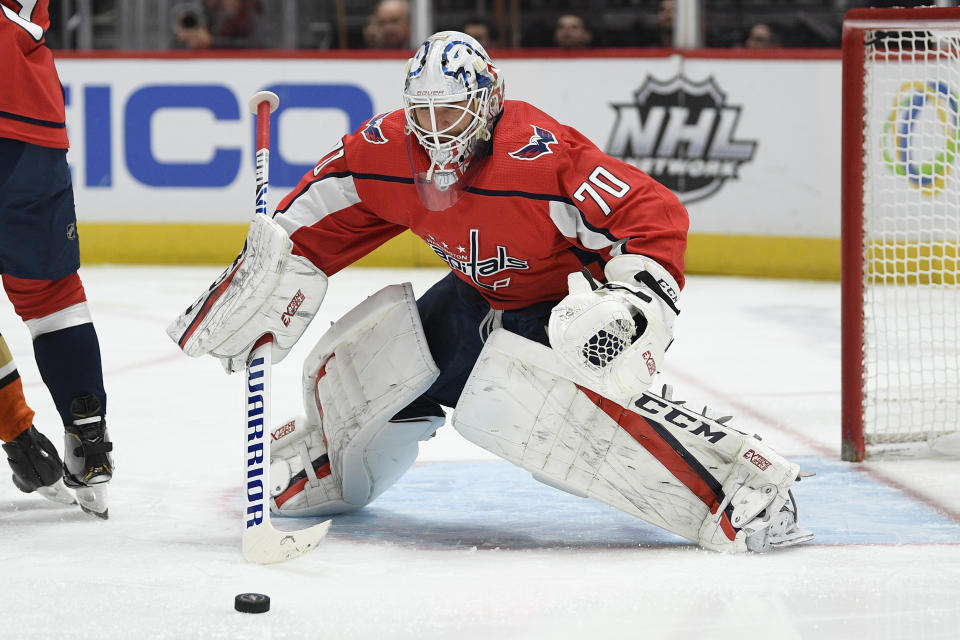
{"type": "Point", "coordinates": [252, 603]}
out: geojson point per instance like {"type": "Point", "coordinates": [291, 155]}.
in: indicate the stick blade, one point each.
{"type": "Point", "coordinates": [265, 545]}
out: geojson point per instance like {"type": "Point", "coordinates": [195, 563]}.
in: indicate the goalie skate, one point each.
{"type": "Point", "coordinates": [774, 530]}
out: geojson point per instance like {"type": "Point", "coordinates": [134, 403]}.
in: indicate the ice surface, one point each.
{"type": "Point", "coordinates": [467, 546]}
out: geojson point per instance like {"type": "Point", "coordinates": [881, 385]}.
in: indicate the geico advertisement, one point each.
{"type": "Point", "coordinates": [751, 146]}
{"type": "Point", "coordinates": [173, 140]}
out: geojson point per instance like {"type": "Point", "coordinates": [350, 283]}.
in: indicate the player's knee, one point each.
{"type": "Point", "coordinates": [48, 305]}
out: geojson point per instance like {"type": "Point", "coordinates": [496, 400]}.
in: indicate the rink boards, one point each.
{"type": "Point", "coordinates": [162, 159]}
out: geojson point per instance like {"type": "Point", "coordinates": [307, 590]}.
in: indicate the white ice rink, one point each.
{"type": "Point", "coordinates": [466, 546]}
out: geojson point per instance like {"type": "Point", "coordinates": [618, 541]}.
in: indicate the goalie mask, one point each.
{"type": "Point", "coordinates": [452, 98]}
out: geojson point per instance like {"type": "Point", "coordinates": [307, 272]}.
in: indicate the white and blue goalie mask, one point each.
{"type": "Point", "coordinates": [452, 98]}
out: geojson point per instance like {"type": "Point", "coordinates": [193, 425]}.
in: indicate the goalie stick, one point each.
{"type": "Point", "coordinates": [261, 543]}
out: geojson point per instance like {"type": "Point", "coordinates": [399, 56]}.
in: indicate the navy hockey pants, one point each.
{"type": "Point", "coordinates": [38, 224]}
{"type": "Point", "coordinates": [453, 315]}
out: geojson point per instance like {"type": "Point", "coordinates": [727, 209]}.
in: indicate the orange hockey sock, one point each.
{"type": "Point", "coordinates": [15, 415]}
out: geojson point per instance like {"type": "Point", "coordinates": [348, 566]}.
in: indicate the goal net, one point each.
{"type": "Point", "coordinates": [901, 231]}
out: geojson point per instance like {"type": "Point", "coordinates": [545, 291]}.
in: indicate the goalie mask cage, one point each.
{"type": "Point", "coordinates": [900, 230]}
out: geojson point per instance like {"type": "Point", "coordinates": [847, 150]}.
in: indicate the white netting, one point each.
{"type": "Point", "coordinates": [911, 218]}
{"type": "Point", "coordinates": [605, 345]}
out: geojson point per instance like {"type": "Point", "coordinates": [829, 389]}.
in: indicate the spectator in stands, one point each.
{"type": "Point", "coordinates": [223, 24]}
{"type": "Point", "coordinates": [481, 30]}
{"type": "Point", "coordinates": [665, 23]}
{"type": "Point", "coordinates": [391, 22]}
{"type": "Point", "coordinates": [371, 32]}
{"type": "Point", "coordinates": [571, 31]}
{"type": "Point", "coordinates": [761, 37]}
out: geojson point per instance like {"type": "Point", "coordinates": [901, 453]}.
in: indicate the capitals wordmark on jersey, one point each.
{"type": "Point", "coordinates": [466, 260]}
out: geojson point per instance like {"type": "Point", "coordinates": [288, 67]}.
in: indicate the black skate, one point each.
{"type": "Point", "coordinates": [36, 466]}
{"type": "Point", "coordinates": [87, 463]}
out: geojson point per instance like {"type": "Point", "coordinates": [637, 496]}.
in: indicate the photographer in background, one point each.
{"type": "Point", "coordinates": [220, 24]}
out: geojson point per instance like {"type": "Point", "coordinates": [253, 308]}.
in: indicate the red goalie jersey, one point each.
{"type": "Point", "coordinates": [31, 98]}
{"type": "Point", "coordinates": [545, 203]}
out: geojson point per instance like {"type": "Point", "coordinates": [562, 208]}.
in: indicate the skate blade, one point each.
{"type": "Point", "coordinates": [57, 492]}
{"type": "Point", "coordinates": [93, 500]}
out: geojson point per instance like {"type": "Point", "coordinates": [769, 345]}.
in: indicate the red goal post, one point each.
{"type": "Point", "coordinates": [900, 233]}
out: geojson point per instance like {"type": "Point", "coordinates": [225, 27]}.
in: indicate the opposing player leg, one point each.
{"type": "Point", "coordinates": [656, 459]}
{"type": "Point", "coordinates": [32, 457]}
{"type": "Point", "coordinates": [361, 428]}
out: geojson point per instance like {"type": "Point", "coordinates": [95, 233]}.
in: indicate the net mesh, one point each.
{"type": "Point", "coordinates": [911, 218]}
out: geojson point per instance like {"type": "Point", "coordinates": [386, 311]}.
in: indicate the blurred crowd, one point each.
{"type": "Point", "coordinates": [386, 24]}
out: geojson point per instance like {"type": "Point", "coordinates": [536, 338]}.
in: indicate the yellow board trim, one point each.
{"type": "Point", "coordinates": [157, 243]}
{"type": "Point", "coordinates": [764, 256]}
{"type": "Point", "coordinates": [936, 262]}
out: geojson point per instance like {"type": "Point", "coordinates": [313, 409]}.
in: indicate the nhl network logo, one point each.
{"type": "Point", "coordinates": [682, 134]}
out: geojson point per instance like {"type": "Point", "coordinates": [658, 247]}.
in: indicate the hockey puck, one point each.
{"type": "Point", "coordinates": [252, 603]}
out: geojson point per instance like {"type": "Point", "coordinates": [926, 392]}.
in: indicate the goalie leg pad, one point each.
{"type": "Point", "coordinates": [658, 460]}
{"type": "Point", "coordinates": [267, 289]}
{"type": "Point", "coordinates": [368, 366]}
{"type": "Point", "coordinates": [301, 480]}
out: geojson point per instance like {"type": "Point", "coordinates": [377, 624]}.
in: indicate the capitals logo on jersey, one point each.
{"type": "Point", "coordinates": [539, 145]}
{"type": "Point", "coordinates": [372, 132]}
{"type": "Point", "coordinates": [467, 261]}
